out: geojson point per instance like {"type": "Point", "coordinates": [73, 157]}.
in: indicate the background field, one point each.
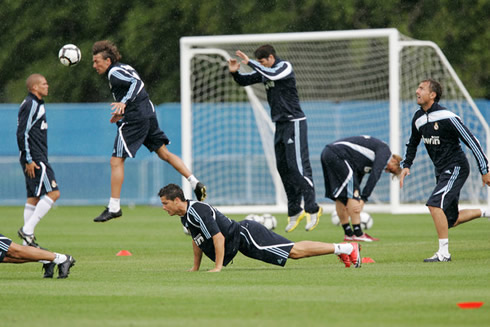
{"type": "Point", "coordinates": [152, 287]}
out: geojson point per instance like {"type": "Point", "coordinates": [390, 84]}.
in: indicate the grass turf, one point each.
{"type": "Point", "coordinates": [153, 288]}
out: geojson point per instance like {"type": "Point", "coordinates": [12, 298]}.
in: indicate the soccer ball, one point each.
{"type": "Point", "coordinates": [70, 55]}
{"type": "Point", "coordinates": [256, 218]}
{"type": "Point", "coordinates": [366, 220]}
{"type": "Point", "coordinates": [270, 222]}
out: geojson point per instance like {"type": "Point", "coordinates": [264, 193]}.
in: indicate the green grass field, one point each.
{"type": "Point", "coordinates": [153, 288]}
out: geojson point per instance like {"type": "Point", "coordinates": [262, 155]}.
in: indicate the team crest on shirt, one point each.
{"type": "Point", "coordinates": [269, 84]}
{"type": "Point", "coordinates": [356, 193]}
{"type": "Point", "coordinates": [53, 183]}
{"type": "Point", "coordinates": [436, 126]}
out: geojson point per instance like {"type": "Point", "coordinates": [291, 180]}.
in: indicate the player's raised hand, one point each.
{"type": "Point", "coordinates": [233, 65]}
{"type": "Point", "coordinates": [242, 55]}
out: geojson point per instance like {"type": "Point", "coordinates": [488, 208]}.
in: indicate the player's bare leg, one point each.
{"type": "Point", "coordinates": [467, 215]}
{"type": "Point", "coordinates": [117, 176]}
{"type": "Point", "coordinates": [113, 210]}
{"type": "Point", "coordinates": [179, 165]}
{"type": "Point", "coordinates": [20, 254]}
{"type": "Point", "coordinates": [441, 224]}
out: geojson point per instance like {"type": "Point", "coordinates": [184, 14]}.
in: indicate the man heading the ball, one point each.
{"type": "Point", "coordinates": [134, 114]}
{"type": "Point", "coordinates": [221, 238]}
{"type": "Point", "coordinates": [32, 140]}
{"type": "Point", "coordinates": [344, 163]}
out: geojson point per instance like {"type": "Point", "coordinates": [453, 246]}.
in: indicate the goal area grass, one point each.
{"type": "Point", "coordinates": [153, 287]}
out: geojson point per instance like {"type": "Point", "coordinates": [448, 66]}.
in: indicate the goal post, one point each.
{"type": "Point", "coordinates": [359, 82]}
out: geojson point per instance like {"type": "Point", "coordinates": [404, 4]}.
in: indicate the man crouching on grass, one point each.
{"type": "Point", "coordinates": [220, 238]}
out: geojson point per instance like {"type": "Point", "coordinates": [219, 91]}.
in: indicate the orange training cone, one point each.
{"type": "Point", "coordinates": [124, 253]}
{"type": "Point", "coordinates": [470, 305]}
{"type": "Point", "coordinates": [367, 260]}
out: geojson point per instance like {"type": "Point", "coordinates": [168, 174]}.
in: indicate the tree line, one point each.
{"type": "Point", "coordinates": [147, 33]}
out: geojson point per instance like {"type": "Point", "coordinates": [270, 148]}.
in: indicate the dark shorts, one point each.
{"type": "Point", "coordinates": [43, 182]}
{"type": "Point", "coordinates": [259, 243]}
{"type": "Point", "coordinates": [446, 193]}
{"type": "Point", "coordinates": [4, 246]}
{"type": "Point", "coordinates": [131, 135]}
{"type": "Point", "coordinates": [341, 182]}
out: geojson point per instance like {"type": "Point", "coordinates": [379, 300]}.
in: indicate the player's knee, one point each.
{"type": "Point", "coordinates": [54, 195]}
{"type": "Point", "coordinates": [116, 162]}
{"type": "Point", "coordinates": [15, 251]}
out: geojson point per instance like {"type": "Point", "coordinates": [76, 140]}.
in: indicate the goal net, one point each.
{"type": "Point", "coordinates": [359, 82]}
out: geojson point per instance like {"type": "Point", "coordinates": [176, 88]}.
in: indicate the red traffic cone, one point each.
{"type": "Point", "coordinates": [124, 253]}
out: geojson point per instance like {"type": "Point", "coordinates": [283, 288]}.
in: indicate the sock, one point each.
{"type": "Point", "coordinates": [343, 248]}
{"type": "Point", "coordinates": [114, 205]}
{"type": "Point", "coordinates": [357, 230]}
{"type": "Point", "coordinates": [485, 212]}
{"type": "Point", "coordinates": [60, 258]}
{"type": "Point", "coordinates": [28, 211]}
{"type": "Point", "coordinates": [444, 247]}
{"type": "Point", "coordinates": [347, 229]}
{"type": "Point", "coordinates": [193, 180]}
{"type": "Point", "coordinates": [41, 210]}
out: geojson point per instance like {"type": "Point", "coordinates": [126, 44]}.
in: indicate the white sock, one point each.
{"type": "Point", "coordinates": [114, 205]}
{"type": "Point", "coordinates": [60, 258]}
{"type": "Point", "coordinates": [41, 210]}
{"type": "Point", "coordinates": [28, 211]}
{"type": "Point", "coordinates": [485, 212]}
{"type": "Point", "coordinates": [193, 180]}
{"type": "Point", "coordinates": [444, 247]}
{"type": "Point", "coordinates": [343, 248]}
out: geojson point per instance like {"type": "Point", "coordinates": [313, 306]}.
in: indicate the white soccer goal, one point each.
{"type": "Point", "coordinates": [359, 82]}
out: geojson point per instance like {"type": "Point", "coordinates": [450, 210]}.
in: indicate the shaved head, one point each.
{"type": "Point", "coordinates": [33, 79]}
{"type": "Point", "coordinates": [37, 85]}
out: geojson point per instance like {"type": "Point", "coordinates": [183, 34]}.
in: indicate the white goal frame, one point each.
{"type": "Point", "coordinates": [190, 46]}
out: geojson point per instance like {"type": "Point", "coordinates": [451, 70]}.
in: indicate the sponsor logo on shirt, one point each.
{"type": "Point", "coordinates": [433, 140]}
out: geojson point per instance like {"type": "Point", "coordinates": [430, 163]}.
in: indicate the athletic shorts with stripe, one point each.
{"type": "Point", "coordinates": [257, 242]}
{"type": "Point", "coordinates": [43, 182]}
{"type": "Point", "coordinates": [131, 135]}
{"type": "Point", "coordinates": [446, 193]}
{"type": "Point", "coordinates": [4, 246]}
{"type": "Point", "coordinates": [341, 182]}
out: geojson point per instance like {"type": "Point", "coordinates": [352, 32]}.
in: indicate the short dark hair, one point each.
{"type": "Point", "coordinates": [171, 192]}
{"type": "Point", "coordinates": [107, 49]}
{"type": "Point", "coordinates": [434, 86]}
{"type": "Point", "coordinates": [265, 51]}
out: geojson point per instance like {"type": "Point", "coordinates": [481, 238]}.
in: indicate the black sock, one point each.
{"type": "Point", "coordinates": [347, 229]}
{"type": "Point", "coordinates": [357, 230]}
